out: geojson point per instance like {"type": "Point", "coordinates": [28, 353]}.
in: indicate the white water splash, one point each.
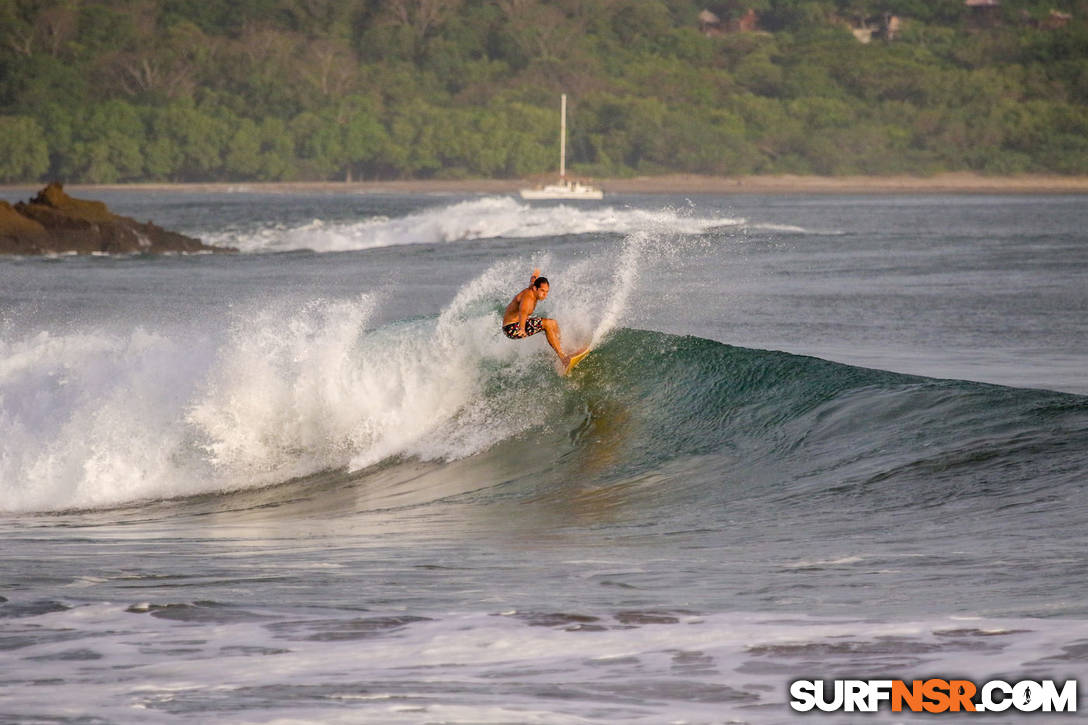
{"type": "Point", "coordinates": [91, 419]}
{"type": "Point", "coordinates": [101, 418]}
{"type": "Point", "coordinates": [486, 218]}
{"type": "Point", "coordinates": [96, 419]}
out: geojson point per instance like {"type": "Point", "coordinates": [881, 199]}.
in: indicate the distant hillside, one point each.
{"type": "Point", "coordinates": [264, 90]}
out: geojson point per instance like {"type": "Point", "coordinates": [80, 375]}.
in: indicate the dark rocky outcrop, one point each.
{"type": "Point", "coordinates": [55, 223]}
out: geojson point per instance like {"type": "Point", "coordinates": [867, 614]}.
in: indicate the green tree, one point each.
{"type": "Point", "coordinates": [108, 138]}
{"type": "Point", "coordinates": [319, 145]}
{"type": "Point", "coordinates": [198, 137]}
{"type": "Point", "coordinates": [243, 156]}
{"type": "Point", "coordinates": [321, 89]}
{"type": "Point", "coordinates": [24, 154]}
{"type": "Point", "coordinates": [264, 151]}
{"type": "Point", "coordinates": [162, 158]}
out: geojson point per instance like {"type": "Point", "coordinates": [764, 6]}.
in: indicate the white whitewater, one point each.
{"type": "Point", "coordinates": [97, 418]}
{"type": "Point", "coordinates": [476, 219]}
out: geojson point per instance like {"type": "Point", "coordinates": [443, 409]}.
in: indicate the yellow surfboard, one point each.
{"type": "Point", "coordinates": [575, 359]}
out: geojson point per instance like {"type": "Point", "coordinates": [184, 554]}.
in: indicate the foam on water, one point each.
{"type": "Point", "coordinates": [486, 218]}
{"type": "Point", "coordinates": [96, 417]}
{"type": "Point", "coordinates": [142, 661]}
{"type": "Point", "coordinates": [91, 418]}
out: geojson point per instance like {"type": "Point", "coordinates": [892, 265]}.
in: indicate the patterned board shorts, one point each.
{"type": "Point", "coordinates": [533, 325]}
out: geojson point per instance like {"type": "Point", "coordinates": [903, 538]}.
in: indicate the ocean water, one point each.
{"type": "Point", "coordinates": [818, 437]}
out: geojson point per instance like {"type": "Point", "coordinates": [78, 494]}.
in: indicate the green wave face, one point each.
{"type": "Point", "coordinates": [722, 422]}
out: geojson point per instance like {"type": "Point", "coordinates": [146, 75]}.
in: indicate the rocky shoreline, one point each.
{"type": "Point", "coordinates": [55, 223]}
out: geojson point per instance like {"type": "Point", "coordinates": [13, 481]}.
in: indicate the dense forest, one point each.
{"type": "Point", "coordinates": [107, 91]}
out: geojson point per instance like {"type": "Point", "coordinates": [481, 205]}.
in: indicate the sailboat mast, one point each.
{"type": "Point", "coordinates": [563, 137]}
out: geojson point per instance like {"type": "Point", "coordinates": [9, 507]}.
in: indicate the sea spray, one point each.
{"type": "Point", "coordinates": [623, 282]}
{"type": "Point", "coordinates": [92, 418]}
{"type": "Point", "coordinates": [98, 418]}
{"type": "Point", "coordinates": [593, 307]}
{"type": "Point", "coordinates": [299, 392]}
{"type": "Point", "coordinates": [288, 389]}
{"type": "Point", "coordinates": [281, 399]}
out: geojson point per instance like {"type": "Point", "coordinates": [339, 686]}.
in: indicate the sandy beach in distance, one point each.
{"type": "Point", "coordinates": [952, 183]}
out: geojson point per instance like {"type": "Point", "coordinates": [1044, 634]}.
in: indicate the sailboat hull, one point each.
{"type": "Point", "coordinates": [555, 191]}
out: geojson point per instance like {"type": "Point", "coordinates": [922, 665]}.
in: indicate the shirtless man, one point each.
{"type": "Point", "coordinates": [516, 322]}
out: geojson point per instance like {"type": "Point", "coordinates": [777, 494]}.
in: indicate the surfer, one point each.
{"type": "Point", "coordinates": [517, 323]}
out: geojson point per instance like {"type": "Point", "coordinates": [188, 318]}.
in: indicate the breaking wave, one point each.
{"type": "Point", "coordinates": [485, 218]}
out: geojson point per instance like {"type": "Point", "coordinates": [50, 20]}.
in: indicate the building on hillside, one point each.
{"type": "Point", "coordinates": [710, 24]}
{"type": "Point", "coordinates": [892, 27]}
{"type": "Point", "coordinates": [862, 31]}
{"type": "Point", "coordinates": [884, 27]}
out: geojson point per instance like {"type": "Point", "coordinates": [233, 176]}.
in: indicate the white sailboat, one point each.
{"type": "Point", "coordinates": [564, 189]}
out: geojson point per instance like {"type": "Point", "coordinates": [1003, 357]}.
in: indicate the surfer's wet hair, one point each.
{"type": "Point", "coordinates": [541, 280]}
